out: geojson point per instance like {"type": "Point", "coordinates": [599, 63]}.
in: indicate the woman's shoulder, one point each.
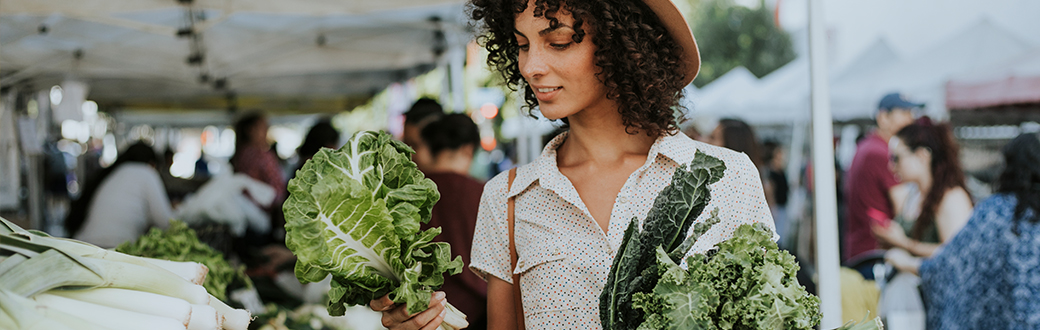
{"type": "Point", "coordinates": [687, 148]}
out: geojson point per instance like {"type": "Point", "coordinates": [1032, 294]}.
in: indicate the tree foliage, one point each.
{"type": "Point", "coordinates": [731, 35]}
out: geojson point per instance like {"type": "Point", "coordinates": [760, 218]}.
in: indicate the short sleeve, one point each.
{"type": "Point", "coordinates": [490, 250]}
{"type": "Point", "coordinates": [877, 165]}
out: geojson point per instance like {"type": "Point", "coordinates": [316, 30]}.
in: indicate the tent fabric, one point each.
{"type": "Point", "coordinates": [923, 77]}
{"type": "Point", "coordinates": [1016, 81]}
{"type": "Point", "coordinates": [129, 50]}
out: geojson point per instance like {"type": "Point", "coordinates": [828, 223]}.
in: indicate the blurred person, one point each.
{"type": "Point", "coordinates": [773, 159]}
{"type": "Point", "coordinates": [869, 181]}
{"type": "Point", "coordinates": [321, 135]}
{"type": "Point", "coordinates": [737, 135]}
{"type": "Point", "coordinates": [452, 142]}
{"type": "Point", "coordinates": [935, 207]}
{"type": "Point", "coordinates": [930, 208]}
{"type": "Point", "coordinates": [253, 156]}
{"type": "Point", "coordinates": [422, 112]}
{"type": "Point", "coordinates": [122, 201]}
{"type": "Point", "coordinates": [986, 276]}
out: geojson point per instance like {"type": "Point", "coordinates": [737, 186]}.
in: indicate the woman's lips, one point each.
{"type": "Point", "coordinates": [546, 93]}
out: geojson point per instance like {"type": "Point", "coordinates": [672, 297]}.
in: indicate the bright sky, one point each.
{"type": "Point", "coordinates": [910, 26]}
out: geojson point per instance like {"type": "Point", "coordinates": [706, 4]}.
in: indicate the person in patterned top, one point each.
{"type": "Point", "coordinates": [613, 72]}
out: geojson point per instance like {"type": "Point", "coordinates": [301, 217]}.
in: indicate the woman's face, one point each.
{"type": "Point", "coordinates": [561, 72]}
{"type": "Point", "coordinates": [259, 132]}
{"type": "Point", "coordinates": [909, 165]}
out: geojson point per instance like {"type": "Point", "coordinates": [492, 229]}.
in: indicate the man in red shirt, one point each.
{"type": "Point", "coordinates": [869, 179]}
{"type": "Point", "coordinates": [452, 141]}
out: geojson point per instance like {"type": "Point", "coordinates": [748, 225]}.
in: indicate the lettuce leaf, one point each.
{"type": "Point", "coordinates": [355, 213]}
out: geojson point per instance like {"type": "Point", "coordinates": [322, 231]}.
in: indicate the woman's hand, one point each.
{"type": "Point", "coordinates": [892, 234]}
{"type": "Point", "coordinates": [396, 317]}
{"type": "Point", "coordinates": [903, 260]}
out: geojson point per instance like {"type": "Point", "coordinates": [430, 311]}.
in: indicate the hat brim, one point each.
{"type": "Point", "coordinates": [679, 29]}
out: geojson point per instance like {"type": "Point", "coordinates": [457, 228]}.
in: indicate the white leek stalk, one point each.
{"type": "Point", "coordinates": [53, 268]}
{"type": "Point", "coordinates": [135, 301]}
{"type": "Point", "coordinates": [191, 271]}
{"type": "Point", "coordinates": [232, 319]}
{"type": "Point", "coordinates": [112, 318]}
{"type": "Point", "coordinates": [17, 312]}
{"type": "Point", "coordinates": [203, 317]}
{"type": "Point", "coordinates": [453, 319]}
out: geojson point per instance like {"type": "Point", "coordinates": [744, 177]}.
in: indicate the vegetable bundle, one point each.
{"type": "Point", "coordinates": [55, 283]}
{"type": "Point", "coordinates": [745, 283]}
{"type": "Point", "coordinates": [355, 213]}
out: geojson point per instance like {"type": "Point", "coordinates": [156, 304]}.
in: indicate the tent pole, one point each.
{"type": "Point", "coordinates": [826, 204]}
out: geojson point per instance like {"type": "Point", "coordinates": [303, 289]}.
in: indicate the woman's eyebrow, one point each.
{"type": "Point", "coordinates": [544, 31]}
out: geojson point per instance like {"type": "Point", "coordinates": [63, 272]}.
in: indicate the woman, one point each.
{"type": "Point", "coordinates": [985, 277]}
{"type": "Point", "coordinates": [254, 157]}
{"type": "Point", "coordinates": [613, 71]}
{"type": "Point", "coordinates": [122, 201]}
{"type": "Point", "coordinates": [925, 155]}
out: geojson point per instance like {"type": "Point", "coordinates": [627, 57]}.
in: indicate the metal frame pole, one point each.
{"type": "Point", "coordinates": [825, 197]}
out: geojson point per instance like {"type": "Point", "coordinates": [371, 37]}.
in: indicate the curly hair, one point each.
{"type": "Point", "coordinates": [946, 168]}
{"type": "Point", "coordinates": [641, 65]}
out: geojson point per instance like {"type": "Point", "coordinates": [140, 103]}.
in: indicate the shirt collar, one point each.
{"type": "Point", "coordinates": [678, 148]}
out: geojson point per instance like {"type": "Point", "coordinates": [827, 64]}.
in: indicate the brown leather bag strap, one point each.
{"type": "Point", "coordinates": [517, 298]}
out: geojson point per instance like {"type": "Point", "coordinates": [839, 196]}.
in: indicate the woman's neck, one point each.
{"type": "Point", "coordinates": [453, 161]}
{"type": "Point", "coordinates": [600, 138]}
{"type": "Point", "coordinates": [924, 184]}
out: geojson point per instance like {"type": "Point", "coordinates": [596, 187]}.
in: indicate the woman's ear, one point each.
{"type": "Point", "coordinates": [924, 153]}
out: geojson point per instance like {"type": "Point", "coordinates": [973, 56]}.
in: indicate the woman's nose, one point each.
{"type": "Point", "coordinates": [534, 63]}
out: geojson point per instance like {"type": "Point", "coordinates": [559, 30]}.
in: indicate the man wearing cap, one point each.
{"type": "Point", "coordinates": [869, 180]}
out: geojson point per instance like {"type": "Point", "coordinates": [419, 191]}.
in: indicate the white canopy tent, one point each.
{"type": "Point", "coordinates": [923, 76]}
{"type": "Point", "coordinates": [138, 51]}
{"type": "Point", "coordinates": [782, 96]}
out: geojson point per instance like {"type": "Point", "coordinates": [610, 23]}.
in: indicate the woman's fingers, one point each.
{"type": "Point", "coordinates": [381, 304]}
{"type": "Point", "coordinates": [436, 322]}
{"type": "Point", "coordinates": [398, 317]}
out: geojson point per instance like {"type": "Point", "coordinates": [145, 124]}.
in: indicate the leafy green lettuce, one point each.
{"type": "Point", "coordinates": [747, 284]}
{"type": "Point", "coordinates": [355, 213]}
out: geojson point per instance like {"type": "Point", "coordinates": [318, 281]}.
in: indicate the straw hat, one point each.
{"type": "Point", "coordinates": [675, 23]}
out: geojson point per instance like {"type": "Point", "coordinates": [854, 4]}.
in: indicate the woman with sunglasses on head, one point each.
{"type": "Point", "coordinates": [613, 72]}
{"type": "Point", "coordinates": [935, 207]}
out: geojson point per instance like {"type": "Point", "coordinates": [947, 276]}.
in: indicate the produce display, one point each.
{"type": "Point", "coordinates": [179, 243]}
{"type": "Point", "coordinates": [55, 283]}
{"type": "Point", "coordinates": [355, 213]}
{"type": "Point", "coordinates": [746, 282]}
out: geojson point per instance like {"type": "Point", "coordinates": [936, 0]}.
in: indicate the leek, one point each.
{"type": "Point", "coordinates": [112, 318]}
{"type": "Point", "coordinates": [203, 317]}
{"type": "Point", "coordinates": [231, 318]}
{"type": "Point", "coordinates": [17, 312]}
{"type": "Point", "coordinates": [135, 301]}
{"type": "Point", "coordinates": [55, 268]}
{"type": "Point", "coordinates": [191, 271]}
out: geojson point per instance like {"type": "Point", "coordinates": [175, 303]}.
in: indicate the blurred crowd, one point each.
{"type": "Point", "coordinates": [917, 248]}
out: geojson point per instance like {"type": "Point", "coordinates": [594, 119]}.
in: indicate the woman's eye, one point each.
{"type": "Point", "coordinates": [524, 47]}
{"type": "Point", "coordinates": [561, 46]}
